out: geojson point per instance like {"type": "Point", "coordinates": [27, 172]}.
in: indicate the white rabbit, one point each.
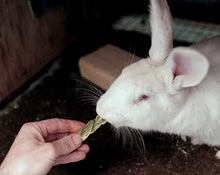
{"type": "Point", "coordinates": [175, 90]}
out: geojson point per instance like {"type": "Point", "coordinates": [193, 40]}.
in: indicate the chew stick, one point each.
{"type": "Point", "coordinates": [91, 127]}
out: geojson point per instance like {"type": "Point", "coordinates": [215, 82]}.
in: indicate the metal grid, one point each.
{"type": "Point", "coordinates": [184, 30]}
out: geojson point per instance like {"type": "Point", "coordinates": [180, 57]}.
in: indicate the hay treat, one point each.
{"type": "Point", "coordinates": [91, 127]}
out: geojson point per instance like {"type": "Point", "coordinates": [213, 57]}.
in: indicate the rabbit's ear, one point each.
{"type": "Point", "coordinates": [187, 67]}
{"type": "Point", "coordinates": [161, 30]}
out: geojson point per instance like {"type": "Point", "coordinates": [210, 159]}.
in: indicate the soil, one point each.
{"type": "Point", "coordinates": [57, 96]}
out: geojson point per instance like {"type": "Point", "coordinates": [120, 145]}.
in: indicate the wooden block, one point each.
{"type": "Point", "coordinates": [104, 65]}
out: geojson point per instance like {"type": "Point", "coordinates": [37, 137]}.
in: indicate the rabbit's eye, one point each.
{"type": "Point", "coordinates": [143, 97]}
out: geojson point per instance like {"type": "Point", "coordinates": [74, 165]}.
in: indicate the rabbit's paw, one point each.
{"type": "Point", "coordinates": [196, 141]}
{"type": "Point", "coordinates": [217, 155]}
{"type": "Point", "coordinates": [184, 138]}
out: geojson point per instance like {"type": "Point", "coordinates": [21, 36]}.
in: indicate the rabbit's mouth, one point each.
{"type": "Point", "coordinates": [116, 120]}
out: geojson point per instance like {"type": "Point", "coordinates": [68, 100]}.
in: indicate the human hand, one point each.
{"type": "Point", "coordinates": [41, 145]}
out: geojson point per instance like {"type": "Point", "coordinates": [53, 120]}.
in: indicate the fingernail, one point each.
{"type": "Point", "coordinates": [77, 139]}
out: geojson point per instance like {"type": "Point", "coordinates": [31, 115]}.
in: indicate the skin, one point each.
{"type": "Point", "coordinates": [41, 145]}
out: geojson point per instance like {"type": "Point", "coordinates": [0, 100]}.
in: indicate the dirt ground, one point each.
{"type": "Point", "coordinates": [56, 96]}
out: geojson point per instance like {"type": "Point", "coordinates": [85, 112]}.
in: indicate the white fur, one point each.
{"type": "Point", "coordinates": [186, 103]}
{"type": "Point", "coordinates": [160, 21]}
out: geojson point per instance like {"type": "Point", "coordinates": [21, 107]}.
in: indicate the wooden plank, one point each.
{"type": "Point", "coordinates": [104, 65]}
{"type": "Point", "coordinates": [27, 44]}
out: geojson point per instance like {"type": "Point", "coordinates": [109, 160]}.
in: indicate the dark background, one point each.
{"type": "Point", "coordinates": [98, 13]}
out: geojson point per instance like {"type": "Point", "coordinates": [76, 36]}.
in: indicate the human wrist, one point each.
{"type": "Point", "coordinates": [11, 170]}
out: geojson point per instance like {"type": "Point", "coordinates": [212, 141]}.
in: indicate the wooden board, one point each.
{"type": "Point", "coordinates": [26, 44]}
{"type": "Point", "coordinates": [104, 65]}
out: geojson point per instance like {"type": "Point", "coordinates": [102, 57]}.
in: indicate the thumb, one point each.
{"type": "Point", "coordinates": [67, 144]}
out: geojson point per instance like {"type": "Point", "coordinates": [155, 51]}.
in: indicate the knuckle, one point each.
{"type": "Point", "coordinates": [56, 119]}
{"type": "Point", "coordinates": [67, 145]}
{"type": "Point", "coordinates": [76, 141]}
{"type": "Point", "coordinates": [27, 126]}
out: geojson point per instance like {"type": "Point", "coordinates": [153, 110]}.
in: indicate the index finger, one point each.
{"type": "Point", "coordinates": [53, 126]}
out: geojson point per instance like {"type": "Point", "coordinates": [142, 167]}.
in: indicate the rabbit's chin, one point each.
{"type": "Point", "coordinates": [118, 124]}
